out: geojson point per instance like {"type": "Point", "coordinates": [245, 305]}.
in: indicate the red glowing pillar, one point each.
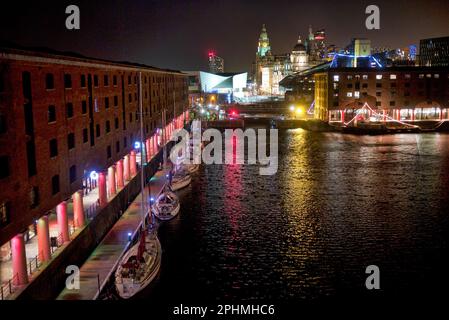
{"type": "Point", "coordinates": [132, 165]}
{"type": "Point", "coordinates": [19, 264]}
{"type": "Point", "coordinates": [384, 112]}
{"type": "Point", "coordinates": [111, 180]}
{"type": "Point", "coordinates": [43, 239]}
{"type": "Point", "coordinates": [63, 221]}
{"type": "Point", "coordinates": [126, 174]}
{"type": "Point", "coordinates": [119, 174]}
{"type": "Point", "coordinates": [343, 115]}
{"type": "Point", "coordinates": [151, 146]}
{"type": "Point", "coordinates": [102, 195]}
{"type": "Point", "coordinates": [78, 209]}
{"type": "Point", "coordinates": [148, 149]}
{"type": "Point", "coordinates": [413, 114]}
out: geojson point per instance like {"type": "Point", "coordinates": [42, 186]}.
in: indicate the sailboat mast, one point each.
{"type": "Point", "coordinates": [164, 136]}
{"type": "Point", "coordinates": [142, 155]}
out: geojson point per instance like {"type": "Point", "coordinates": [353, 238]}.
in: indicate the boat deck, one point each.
{"type": "Point", "coordinates": [97, 269]}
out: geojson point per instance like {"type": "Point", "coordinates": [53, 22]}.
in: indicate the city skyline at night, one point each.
{"type": "Point", "coordinates": [179, 35]}
{"type": "Point", "coordinates": [224, 159]}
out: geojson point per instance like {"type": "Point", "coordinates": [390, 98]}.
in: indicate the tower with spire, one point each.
{"type": "Point", "coordinates": [263, 47]}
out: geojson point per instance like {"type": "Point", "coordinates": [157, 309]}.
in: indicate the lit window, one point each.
{"type": "Point", "coordinates": [407, 76]}
{"type": "Point", "coordinates": [357, 94]}
{"type": "Point", "coordinates": [392, 77]}
{"type": "Point", "coordinates": [349, 94]}
{"type": "Point", "coordinates": [349, 77]}
{"type": "Point", "coordinates": [365, 77]}
{"type": "Point", "coordinates": [436, 76]}
{"type": "Point", "coordinates": [336, 78]}
{"type": "Point", "coordinates": [378, 77]}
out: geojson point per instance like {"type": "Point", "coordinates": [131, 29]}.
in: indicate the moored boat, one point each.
{"type": "Point", "coordinates": [140, 265]}
{"type": "Point", "coordinates": [192, 167]}
{"type": "Point", "coordinates": [181, 179]}
{"type": "Point", "coordinates": [166, 206]}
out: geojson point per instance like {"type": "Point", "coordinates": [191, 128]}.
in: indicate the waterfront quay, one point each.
{"type": "Point", "coordinates": [75, 133]}
{"type": "Point", "coordinates": [99, 267]}
{"type": "Point", "coordinates": [48, 280]}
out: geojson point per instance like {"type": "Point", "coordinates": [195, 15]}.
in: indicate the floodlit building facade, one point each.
{"type": "Point", "coordinates": [231, 85]}
{"type": "Point", "coordinates": [69, 124]}
{"type": "Point", "coordinates": [270, 69]}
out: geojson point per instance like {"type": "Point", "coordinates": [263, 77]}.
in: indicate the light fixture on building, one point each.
{"type": "Point", "coordinates": [93, 175]}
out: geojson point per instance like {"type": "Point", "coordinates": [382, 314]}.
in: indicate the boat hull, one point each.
{"type": "Point", "coordinates": [177, 185]}
{"type": "Point", "coordinates": [126, 288]}
{"type": "Point", "coordinates": [191, 168]}
{"type": "Point", "coordinates": [165, 217]}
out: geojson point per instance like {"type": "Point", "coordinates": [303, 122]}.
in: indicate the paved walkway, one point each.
{"type": "Point", "coordinates": [97, 269]}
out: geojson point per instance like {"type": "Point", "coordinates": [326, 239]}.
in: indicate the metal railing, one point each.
{"type": "Point", "coordinates": [8, 287]}
{"type": "Point", "coordinates": [33, 265]}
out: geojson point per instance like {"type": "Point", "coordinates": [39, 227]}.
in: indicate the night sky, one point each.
{"type": "Point", "coordinates": [179, 34]}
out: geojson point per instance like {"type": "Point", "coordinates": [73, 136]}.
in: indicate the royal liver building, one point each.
{"type": "Point", "coordinates": [269, 69]}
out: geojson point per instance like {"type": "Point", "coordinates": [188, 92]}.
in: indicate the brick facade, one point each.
{"type": "Point", "coordinates": [87, 96]}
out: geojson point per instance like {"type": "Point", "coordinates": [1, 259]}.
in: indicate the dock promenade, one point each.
{"type": "Point", "coordinates": [97, 269]}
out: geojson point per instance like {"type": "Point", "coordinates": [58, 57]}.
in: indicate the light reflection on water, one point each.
{"type": "Point", "coordinates": [337, 204]}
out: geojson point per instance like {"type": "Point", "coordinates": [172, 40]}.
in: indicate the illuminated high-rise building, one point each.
{"type": "Point", "coordinates": [216, 63]}
{"type": "Point", "coordinates": [320, 45]}
{"type": "Point", "coordinates": [434, 52]}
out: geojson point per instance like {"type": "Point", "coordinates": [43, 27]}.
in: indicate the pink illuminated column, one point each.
{"type": "Point", "coordinates": [413, 114]}
{"type": "Point", "coordinates": [102, 196]}
{"type": "Point", "coordinates": [152, 146]}
{"type": "Point", "coordinates": [78, 208]}
{"type": "Point", "coordinates": [119, 174]}
{"type": "Point", "coordinates": [132, 164]}
{"type": "Point", "coordinates": [63, 221]}
{"type": "Point", "coordinates": [43, 239]}
{"type": "Point", "coordinates": [154, 143]}
{"type": "Point", "coordinates": [126, 174]}
{"type": "Point", "coordinates": [343, 115]}
{"type": "Point", "coordinates": [19, 264]}
{"type": "Point", "coordinates": [111, 181]}
{"type": "Point", "coordinates": [148, 147]}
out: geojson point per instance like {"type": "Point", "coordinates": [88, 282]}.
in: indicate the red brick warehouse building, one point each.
{"type": "Point", "coordinates": [64, 116]}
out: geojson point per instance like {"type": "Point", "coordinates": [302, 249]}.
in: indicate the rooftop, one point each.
{"type": "Point", "coordinates": [13, 48]}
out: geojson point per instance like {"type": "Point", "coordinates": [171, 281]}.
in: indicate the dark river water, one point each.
{"type": "Point", "coordinates": [337, 204]}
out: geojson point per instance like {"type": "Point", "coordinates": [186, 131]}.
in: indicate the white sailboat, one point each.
{"type": "Point", "coordinates": [181, 179]}
{"type": "Point", "coordinates": [141, 263]}
{"type": "Point", "coordinates": [139, 266]}
{"type": "Point", "coordinates": [167, 205]}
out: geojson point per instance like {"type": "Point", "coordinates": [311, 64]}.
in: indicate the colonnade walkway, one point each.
{"type": "Point", "coordinates": [31, 252]}
{"type": "Point", "coordinates": [97, 269]}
